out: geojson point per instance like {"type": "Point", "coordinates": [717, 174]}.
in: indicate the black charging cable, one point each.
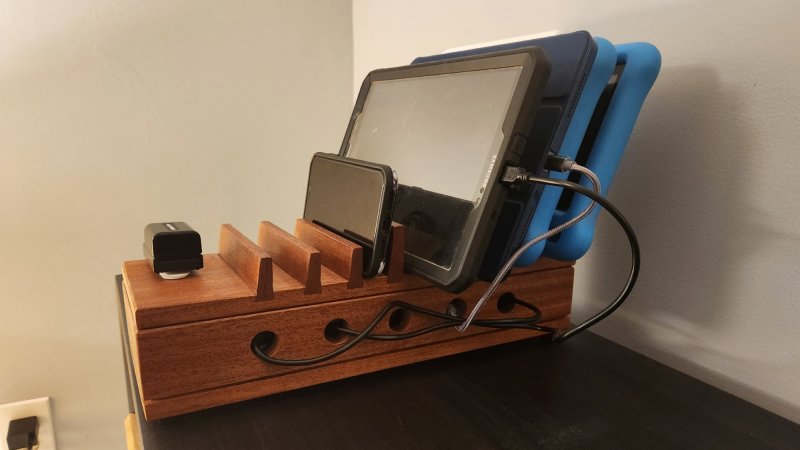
{"type": "Point", "coordinates": [517, 175]}
{"type": "Point", "coordinates": [260, 347]}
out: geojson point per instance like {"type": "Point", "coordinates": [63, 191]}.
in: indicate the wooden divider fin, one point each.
{"type": "Point", "coordinates": [343, 257]}
{"type": "Point", "coordinates": [396, 255]}
{"type": "Point", "coordinates": [299, 259]}
{"type": "Point", "coordinates": [252, 264]}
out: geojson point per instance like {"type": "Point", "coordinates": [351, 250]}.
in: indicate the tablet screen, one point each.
{"type": "Point", "coordinates": [441, 134]}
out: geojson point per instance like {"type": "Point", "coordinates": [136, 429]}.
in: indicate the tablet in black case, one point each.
{"type": "Point", "coordinates": [448, 129]}
{"type": "Point", "coordinates": [571, 56]}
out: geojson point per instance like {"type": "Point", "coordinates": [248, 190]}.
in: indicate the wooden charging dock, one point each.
{"type": "Point", "coordinates": [191, 338]}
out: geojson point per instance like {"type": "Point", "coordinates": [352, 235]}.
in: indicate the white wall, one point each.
{"type": "Point", "coordinates": [114, 114]}
{"type": "Point", "coordinates": [709, 181]}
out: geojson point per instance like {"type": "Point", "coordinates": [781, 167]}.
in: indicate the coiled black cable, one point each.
{"type": "Point", "coordinates": [560, 336]}
{"type": "Point", "coordinates": [261, 348]}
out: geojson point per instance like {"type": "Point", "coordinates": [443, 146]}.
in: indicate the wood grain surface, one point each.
{"type": "Point", "coordinates": [217, 292]}
{"type": "Point", "coordinates": [168, 407]}
{"type": "Point", "coordinates": [251, 263]}
{"type": "Point", "coordinates": [298, 259]}
{"type": "Point", "coordinates": [170, 356]}
{"type": "Point", "coordinates": [343, 257]}
{"type": "Point", "coordinates": [191, 338]}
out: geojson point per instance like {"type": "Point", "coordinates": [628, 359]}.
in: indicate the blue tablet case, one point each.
{"type": "Point", "coordinates": [571, 58]}
{"type": "Point", "coordinates": [596, 82]}
{"type": "Point", "coordinates": [641, 62]}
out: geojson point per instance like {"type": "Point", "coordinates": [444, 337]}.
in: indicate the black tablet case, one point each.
{"type": "Point", "coordinates": [571, 58]}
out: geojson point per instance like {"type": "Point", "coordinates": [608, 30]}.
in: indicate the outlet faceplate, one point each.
{"type": "Point", "coordinates": [39, 407]}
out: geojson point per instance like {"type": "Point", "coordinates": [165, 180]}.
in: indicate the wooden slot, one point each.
{"type": "Point", "coordinates": [217, 291]}
{"type": "Point", "coordinates": [396, 256]}
{"type": "Point", "coordinates": [296, 257]}
{"type": "Point", "coordinates": [252, 264]}
{"type": "Point", "coordinates": [343, 257]}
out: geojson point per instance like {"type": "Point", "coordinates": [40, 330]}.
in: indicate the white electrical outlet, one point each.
{"type": "Point", "coordinates": [39, 407]}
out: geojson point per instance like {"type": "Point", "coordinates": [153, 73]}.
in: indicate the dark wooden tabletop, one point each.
{"type": "Point", "coordinates": [585, 393]}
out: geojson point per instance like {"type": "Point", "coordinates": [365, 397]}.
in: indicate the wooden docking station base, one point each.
{"type": "Point", "coordinates": [190, 339]}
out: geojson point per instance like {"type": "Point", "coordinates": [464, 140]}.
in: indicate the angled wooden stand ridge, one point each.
{"type": "Point", "coordinates": [191, 338]}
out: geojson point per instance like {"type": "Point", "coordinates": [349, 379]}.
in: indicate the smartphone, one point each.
{"type": "Point", "coordinates": [353, 199]}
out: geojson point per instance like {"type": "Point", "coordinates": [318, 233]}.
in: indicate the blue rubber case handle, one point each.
{"type": "Point", "coordinates": [602, 69]}
{"type": "Point", "coordinates": [642, 64]}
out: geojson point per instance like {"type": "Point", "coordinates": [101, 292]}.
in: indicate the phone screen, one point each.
{"type": "Point", "coordinates": [346, 198]}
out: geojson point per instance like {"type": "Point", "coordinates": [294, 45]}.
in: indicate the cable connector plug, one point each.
{"type": "Point", "coordinates": [514, 174]}
{"type": "Point", "coordinates": [558, 163]}
{"type": "Point", "coordinates": [23, 433]}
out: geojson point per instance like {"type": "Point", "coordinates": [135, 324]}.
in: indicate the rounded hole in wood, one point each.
{"type": "Point", "coordinates": [399, 318]}
{"type": "Point", "coordinates": [456, 308]}
{"type": "Point", "coordinates": [505, 304]}
{"type": "Point", "coordinates": [333, 333]}
{"type": "Point", "coordinates": [265, 342]}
